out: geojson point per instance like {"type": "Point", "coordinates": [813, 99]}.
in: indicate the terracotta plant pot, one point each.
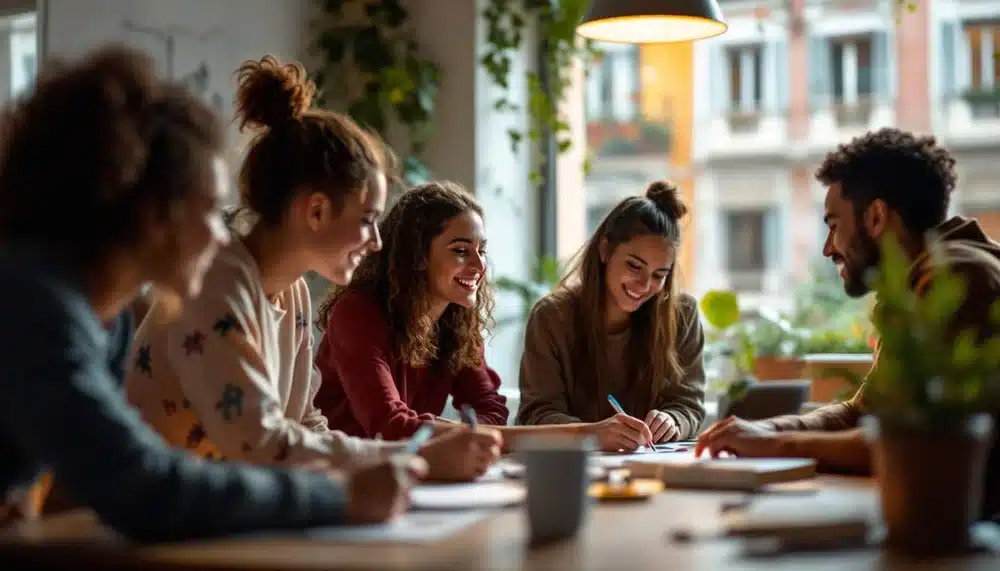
{"type": "Point", "coordinates": [827, 388]}
{"type": "Point", "coordinates": [778, 368]}
{"type": "Point", "coordinates": [928, 508]}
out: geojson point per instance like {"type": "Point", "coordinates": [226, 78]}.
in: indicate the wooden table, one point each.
{"type": "Point", "coordinates": [616, 537]}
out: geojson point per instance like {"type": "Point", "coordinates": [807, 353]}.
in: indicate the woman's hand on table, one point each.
{"type": "Point", "coordinates": [462, 454]}
{"type": "Point", "coordinates": [662, 426]}
{"type": "Point", "coordinates": [382, 492]}
{"type": "Point", "coordinates": [621, 432]}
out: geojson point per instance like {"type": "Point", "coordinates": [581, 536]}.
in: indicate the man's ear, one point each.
{"type": "Point", "coordinates": [876, 218]}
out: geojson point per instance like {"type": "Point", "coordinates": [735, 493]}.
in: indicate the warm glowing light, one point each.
{"type": "Point", "coordinates": [651, 29]}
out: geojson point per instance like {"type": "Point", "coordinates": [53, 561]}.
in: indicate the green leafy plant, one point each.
{"type": "Point", "coordinates": [545, 276]}
{"type": "Point", "coordinates": [926, 374]}
{"type": "Point", "coordinates": [721, 310]}
{"type": "Point", "coordinates": [555, 22]}
{"type": "Point", "coordinates": [372, 66]}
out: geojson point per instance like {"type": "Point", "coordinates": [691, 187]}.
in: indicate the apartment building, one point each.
{"type": "Point", "coordinates": [790, 80]}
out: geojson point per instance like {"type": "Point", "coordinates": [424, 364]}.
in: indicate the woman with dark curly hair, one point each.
{"type": "Point", "coordinates": [111, 178]}
{"type": "Point", "coordinates": [408, 331]}
{"type": "Point", "coordinates": [233, 377]}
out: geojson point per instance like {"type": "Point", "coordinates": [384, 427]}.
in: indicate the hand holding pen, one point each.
{"type": "Point", "coordinates": [621, 431]}
{"type": "Point", "coordinates": [464, 454]}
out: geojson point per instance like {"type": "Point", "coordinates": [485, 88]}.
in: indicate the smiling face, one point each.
{"type": "Point", "coordinates": [849, 245]}
{"type": "Point", "coordinates": [340, 240]}
{"type": "Point", "coordinates": [636, 271]}
{"type": "Point", "coordinates": [456, 263]}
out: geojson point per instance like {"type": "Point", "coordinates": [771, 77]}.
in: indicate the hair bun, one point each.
{"type": "Point", "coordinates": [666, 197]}
{"type": "Point", "coordinates": [271, 93]}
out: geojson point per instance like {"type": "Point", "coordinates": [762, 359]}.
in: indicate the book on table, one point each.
{"type": "Point", "coordinates": [721, 473]}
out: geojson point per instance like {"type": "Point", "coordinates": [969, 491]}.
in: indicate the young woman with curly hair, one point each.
{"type": "Point", "coordinates": [407, 332]}
{"type": "Point", "coordinates": [109, 179]}
{"type": "Point", "coordinates": [617, 325]}
{"type": "Point", "coordinates": [233, 377]}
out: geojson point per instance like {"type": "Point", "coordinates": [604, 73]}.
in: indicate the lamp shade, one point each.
{"type": "Point", "coordinates": [652, 21]}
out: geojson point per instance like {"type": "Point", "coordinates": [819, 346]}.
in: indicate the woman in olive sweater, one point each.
{"type": "Point", "coordinates": [618, 326]}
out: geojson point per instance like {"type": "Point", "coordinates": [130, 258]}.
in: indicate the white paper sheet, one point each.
{"type": "Point", "coordinates": [475, 495]}
{"type": "Point", "coordinates": [412, 527]}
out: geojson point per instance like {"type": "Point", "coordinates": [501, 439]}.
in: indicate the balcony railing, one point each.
{"type": "Point", "coordinates": [625, 138]}
{"type": "Point", "coordinates": [983, 103]}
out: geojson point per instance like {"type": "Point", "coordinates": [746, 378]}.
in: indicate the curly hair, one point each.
{"type": "Point", "coordinates": [298, 148]}
{"type": "Point", "coordinates": [912, 174]}
{"type": "Point", "coordinates": [96, 145]}
{"type": "Point", "coordinates": [652, 353]}
{"type": "Point", "coordinates": [397, 278]}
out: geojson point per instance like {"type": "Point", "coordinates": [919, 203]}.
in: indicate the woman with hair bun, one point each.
{"type": "Point", "coordinates": [233, 377]}
{"type": "Point", "coordinates": [111, 178]}
{"type": "Point", "coordinates": [617, 325]}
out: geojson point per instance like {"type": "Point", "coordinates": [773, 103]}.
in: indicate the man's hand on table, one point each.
{"type": "Point", "coordinates": [740, 437]}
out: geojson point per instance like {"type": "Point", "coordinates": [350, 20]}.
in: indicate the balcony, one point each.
{"type": "Point", "coordinates": [629, 138]}
{"type": "Point", "coordinates": [837, 122]}
{"type": "Point", "coordinates": [741, 134]}
{"type": "Point", "coordinates": [972, 119]}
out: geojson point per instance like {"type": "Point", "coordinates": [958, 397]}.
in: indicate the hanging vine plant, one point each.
{"type": "Point", "coordinates": [556, 21]}
{"type": "Point", "coordinates": [373, 69]}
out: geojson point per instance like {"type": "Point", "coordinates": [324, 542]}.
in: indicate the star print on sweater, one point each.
{"type": "Point", "coordinates": [196, 436]}
{"type": "Point", "coordinates": [194, 343]}
{"type": "Point", "coordinates": [231, 404]}
{"type": "Point", "coordinates": [300, 320]}
{"type": "Point", "coordinates": [225, 324]}
{"type": "Point", "coordinates": [143, 360]}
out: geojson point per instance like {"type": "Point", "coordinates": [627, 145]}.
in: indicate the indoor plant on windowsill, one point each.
{"type": "Point", "coordinates": [930, 397]}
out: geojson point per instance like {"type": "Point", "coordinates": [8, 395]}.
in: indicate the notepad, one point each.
{"type": "Point", "coordinates": [749, 474]}
{"type": "Point", "coordinates": [475, 495]}
{"type": "Point", "coordinates": [411, 527]}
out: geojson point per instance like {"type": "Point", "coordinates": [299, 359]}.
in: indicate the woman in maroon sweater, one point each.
{"type": "Point", "coordinates": [408, 331]}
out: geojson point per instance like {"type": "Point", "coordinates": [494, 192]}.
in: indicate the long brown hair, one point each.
{"type": "Point", "coordinates": [298, 148]}
{"type": "Point", "coordinates": [651, 352]}
{"type": "Point", "coordinates": [397, 278]}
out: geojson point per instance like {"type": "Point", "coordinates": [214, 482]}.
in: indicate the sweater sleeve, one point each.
{"type": "Point", "coordinates": [477, 387]}
{"type": "Point", "coordinates": [684, 400]}
{"type": "Point", "coordinates": [109, 459]}
{"type": "Point", "coordinates": [216, 351]}
{"type": "Point", "coordinates": [544, 388]}
{"type": "Point", "coordinates": [359, 352]}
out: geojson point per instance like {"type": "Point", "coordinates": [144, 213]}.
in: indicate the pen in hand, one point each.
{"type": "Point", "coordinates": [618, 408]}
{"type": "Point", "coordinates": [422, 434]}
{"type": "Point", "coordinates": [468, 415]}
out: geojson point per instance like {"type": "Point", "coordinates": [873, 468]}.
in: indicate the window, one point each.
{"type": "Point", "coordinates": [745, 78]}
{"type": "Point", "coordinates": [745, 244]}
{"type": "Point", "coordinates": [23, 46]}
{"type": "Point", "coordinates": [983, 42]}
{"type": "Point", "coordinates": [613, 85]}
{"type": "Point", "coordinates": [852, 69]}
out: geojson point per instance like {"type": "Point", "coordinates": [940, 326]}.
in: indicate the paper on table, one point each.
{"type": "Point", "coordinates": [617, 460]}
{"type": "Point", "coordinates": [412, 527]}
{"type": "Point", "coordinates": [477, 495]}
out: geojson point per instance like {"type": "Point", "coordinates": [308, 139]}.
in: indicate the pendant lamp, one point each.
{"type": "Point", "coordinates": [652, 21]}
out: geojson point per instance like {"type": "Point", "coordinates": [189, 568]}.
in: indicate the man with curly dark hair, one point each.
{"type": "Point", "coordinates": [887, 181]}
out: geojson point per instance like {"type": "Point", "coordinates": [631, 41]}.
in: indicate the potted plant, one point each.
{"type": "Point", "coordinates": [777, 348]}
{"type": "Point", "coordinates": [929, 397]}
{"type": "Point", "coordinates": [834, 350]}
{"type": "Point", "coordinates": [729, 346]}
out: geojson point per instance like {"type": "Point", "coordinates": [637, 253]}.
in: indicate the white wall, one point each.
{"type": "Point", "coordinates": [470, 143]}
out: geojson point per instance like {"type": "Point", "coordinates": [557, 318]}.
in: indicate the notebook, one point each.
{"type": "Point", "coordinates": [747, 474]}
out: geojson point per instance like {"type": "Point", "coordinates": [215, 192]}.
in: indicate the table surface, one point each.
{"type": "Point", "coordinates": [616, 536]}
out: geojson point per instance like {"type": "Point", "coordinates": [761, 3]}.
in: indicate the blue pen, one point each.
{"type": "Point", "coordinates": [422, 434]}
{"type": "Point", "coordinates": [468, 415]}
{"type": "Point", "coordinates": [618, 408]}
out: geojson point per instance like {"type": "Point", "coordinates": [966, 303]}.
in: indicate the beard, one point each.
{"type": "Point", "coordinates": [862, 257]}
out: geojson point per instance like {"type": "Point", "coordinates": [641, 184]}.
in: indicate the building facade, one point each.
{"type": "Point", "coordinates": [789, 81]}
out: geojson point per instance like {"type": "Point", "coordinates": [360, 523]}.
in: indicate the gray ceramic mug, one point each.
{"type": "Point", "coordinates": [556, 476]}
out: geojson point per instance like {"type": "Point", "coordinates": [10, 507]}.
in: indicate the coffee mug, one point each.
{"type": "Point", "coordinates": [556, 476]}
